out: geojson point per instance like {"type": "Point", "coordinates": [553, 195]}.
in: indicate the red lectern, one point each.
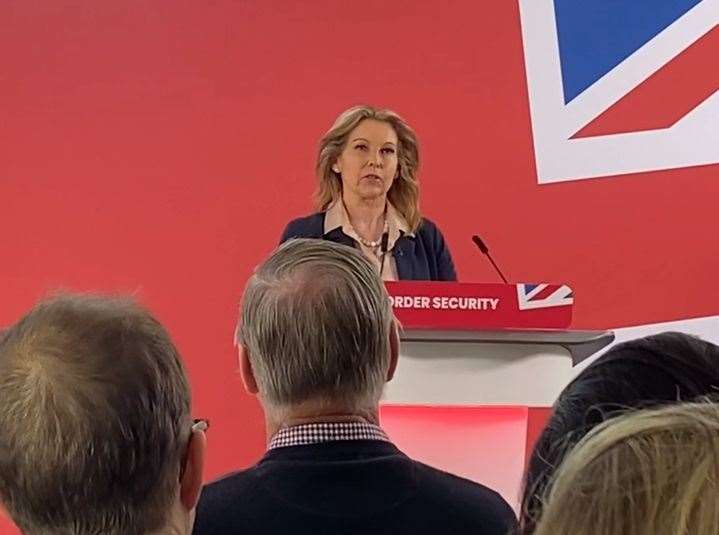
{"type": "Point", "coordinates": [480, 365]}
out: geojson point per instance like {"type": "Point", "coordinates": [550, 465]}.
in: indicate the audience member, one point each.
{"type": "Point", "coordinates": [317, 341]}
{"type": "Point", "coordinates": [95, 428]}
{"type": "Point", "coordinates": [646, 372]}
{"type": "Point", "coordinates": [650, 472]}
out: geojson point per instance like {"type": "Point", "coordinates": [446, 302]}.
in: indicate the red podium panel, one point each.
{"type": "Point", "coordinates": [481, 306]}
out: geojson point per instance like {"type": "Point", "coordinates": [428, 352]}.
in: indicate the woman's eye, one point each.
{"type": "Point", "coordinates": [361, 147]}
{"type": "Point", "coordinates": [388, 150]}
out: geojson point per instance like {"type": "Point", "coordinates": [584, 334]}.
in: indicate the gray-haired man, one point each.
{"type": "Point", "coordinates": [317, 342]}
{"type": "Point", "coordinates": [96, 435]}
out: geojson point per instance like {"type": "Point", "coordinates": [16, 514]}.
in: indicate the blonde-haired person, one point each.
{"type": "Point", "coordinates": [368, 197]}
{"type": "Point", "coordinates": [649, 472]}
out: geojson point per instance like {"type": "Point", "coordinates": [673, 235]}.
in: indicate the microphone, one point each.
{"type": "Point", "coordinates": [384, 245]}
{"type": "Point", "coordinates": [385, 242]}
{"type": "Point", "coordinates": [485, 251]}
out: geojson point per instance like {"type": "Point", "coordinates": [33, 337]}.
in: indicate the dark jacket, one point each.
{"type": "Point", "coordinates": [422, 257]}
{"type": "Point", "coordinates": [363, 487]}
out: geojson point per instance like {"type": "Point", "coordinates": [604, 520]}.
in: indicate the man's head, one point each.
{"type": "Point", "coordinates": [95, 427]}
{"type": "Point", "coordinates": [316, 327]}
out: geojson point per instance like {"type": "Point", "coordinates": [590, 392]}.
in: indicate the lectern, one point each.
{"type": "Point", "coordinates": [480, 366]}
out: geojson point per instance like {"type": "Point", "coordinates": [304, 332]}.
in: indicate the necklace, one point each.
{"type": "Point", "coordinates": [372, 244]}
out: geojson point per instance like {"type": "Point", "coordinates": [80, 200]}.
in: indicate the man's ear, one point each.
{"type": "Point", "coordinates": [248, 376]}
{"type": "Point", "coordinates": [191, 480]}
{"type": "Point", "coordinates": [393, 349]}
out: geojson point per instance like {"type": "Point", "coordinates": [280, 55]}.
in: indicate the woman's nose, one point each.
{"type": "Point", "coordinates": [376, 159]}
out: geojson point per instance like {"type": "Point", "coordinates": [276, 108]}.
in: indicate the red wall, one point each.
{"type": "Point", "coordinates": [159, 147]}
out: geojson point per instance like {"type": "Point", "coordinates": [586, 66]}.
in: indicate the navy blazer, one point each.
{"type": "Point", "coordinates": [349, 487]}
{"type": "Point", "coordinates": [422, 257]}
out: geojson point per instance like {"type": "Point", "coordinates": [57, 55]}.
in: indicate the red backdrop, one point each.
{"type": "Point", "coordinates": [159, 148]}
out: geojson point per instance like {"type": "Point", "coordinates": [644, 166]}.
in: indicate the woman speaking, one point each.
{"type": "Point", "coordinates": [368, 197]}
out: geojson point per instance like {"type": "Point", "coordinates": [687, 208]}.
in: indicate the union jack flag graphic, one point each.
{"type": "Point", "coordinates": [531, 296]}
{"type": "Point", "coordinates": [621, 87]}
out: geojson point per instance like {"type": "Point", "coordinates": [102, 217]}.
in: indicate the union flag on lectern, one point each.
{"type": "Point", "coordinates": [531, 296]}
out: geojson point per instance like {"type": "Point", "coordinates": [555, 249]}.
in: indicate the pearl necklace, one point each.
{"type": "Point", "coordinates": [370, 243]}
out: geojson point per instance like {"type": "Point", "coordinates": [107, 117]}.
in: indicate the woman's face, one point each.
{"type": "Point", "coordinates": [368, 162]}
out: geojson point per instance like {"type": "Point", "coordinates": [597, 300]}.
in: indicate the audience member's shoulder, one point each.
{"type": "Point", "coordinates": [218, 505]}
{"type": "Point", "coordinates": [479, 504]}
{"type": "Point", "coordinates": [311, 226]}
{"type": "Point", "coordinates": [228, 485]}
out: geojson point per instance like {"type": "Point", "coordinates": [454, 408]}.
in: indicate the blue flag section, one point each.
{"type": "Point", "coordinates": [596, 35]}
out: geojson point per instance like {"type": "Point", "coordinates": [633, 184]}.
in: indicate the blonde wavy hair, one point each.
{"type": "Point", "coordinates": [650, 472]}
{"type": "Point", "coordinates": [404, 192]}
